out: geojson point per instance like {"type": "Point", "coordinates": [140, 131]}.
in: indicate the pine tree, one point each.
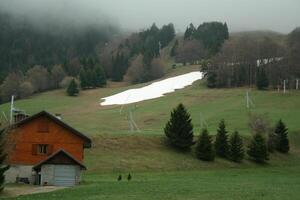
{"type": "Point", "coordinates": [221, 143]}
{"type": "Point", "coordinates": [204, 148]}
{"type": "Point", "coordinates": [179, 129]}
{"type": "Point", "coordinates": [100, 76]}
{"type": "Point", "coordinates": [72, 89]}
{"type": "Point", "coordinates": [262, 82]}
{"type": "Point", "coordinates": [3, 167]}
{"type": "Point", "coordinates": [83, 79]}
{"type": "Point", "coordinates": [236, 149]}
{"type": "Point", "coordinates": [258, 150]}
{"type": "Point", "coordinates": [281, 133]}
{"type": "Point", "coordinates": [211, 80]}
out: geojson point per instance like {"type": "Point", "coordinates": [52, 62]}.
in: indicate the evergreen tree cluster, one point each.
{"type": "Point", "coordinates": [179, 134]}
{"type": "Point", "coordinates": [148, 43]}
{"type": "Point", "coordinates": [211, 34]}
{"type": "Point", "coordinates": [92, 74]}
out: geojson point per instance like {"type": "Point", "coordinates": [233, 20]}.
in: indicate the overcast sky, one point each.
{"type": "Point", "coordinates": [240, 15]}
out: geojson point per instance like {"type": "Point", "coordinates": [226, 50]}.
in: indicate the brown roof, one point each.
{"type": "Point", "coordinates": [88, 141]}
{"type": "Point", "coordinates": [59, 153]}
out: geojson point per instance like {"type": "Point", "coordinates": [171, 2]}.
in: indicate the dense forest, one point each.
{"type": "Point", "coordinates": [24, 45]}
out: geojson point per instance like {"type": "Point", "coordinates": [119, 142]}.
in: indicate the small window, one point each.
{"type": "Point", "coordinates": [42, 149]}
{"type": "Point", "coordinates": [43, 126]}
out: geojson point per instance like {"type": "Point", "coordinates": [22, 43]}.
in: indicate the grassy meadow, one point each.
{"type": "Point", "coordinates": [163, 173]}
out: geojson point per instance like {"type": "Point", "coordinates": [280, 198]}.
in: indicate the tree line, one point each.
{"type": "Point", "coordinates": [263, 61]}
{"type": "Point", "coordinates": [179, 135]}
{"type": "Point", "coordinates": [200, 43]}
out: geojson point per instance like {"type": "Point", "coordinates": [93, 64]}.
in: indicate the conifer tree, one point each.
{"type": "Point", "coordinates": [281, 133]}
{"type": "Point", "coordinates": [100, 76]}
{"type": "Point", "coordinates": [83, 79]}
{"type": "Point", "coordinates": [262, 81]}
{"type": "Point", "coordinates": [72, 89]}
{"type": "Point", "coordinates": [204, 148]}
{"type": "Point", "coordinates": [179, 129]}
{"type": "Point", "coordinates": [3, 166]}
{"type": "Point", "coordinates": [221, 143]}
{"type": "Point", "coordinates": [258, 150]}
{"type": "Point", "coordinates": [236, 149]}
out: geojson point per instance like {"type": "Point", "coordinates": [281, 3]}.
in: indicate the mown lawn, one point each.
{"type": "Point", "coordinates": [255, 183]}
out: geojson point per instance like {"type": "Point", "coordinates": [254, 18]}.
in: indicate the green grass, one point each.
{"type": "Point", "coordinates": [258, 183]}
{"type": "Point", "coordinates": [160, 172]}
{"type": "Point", "coordinates": [211, 105]}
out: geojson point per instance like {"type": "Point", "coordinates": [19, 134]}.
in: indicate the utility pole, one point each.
{"type": "Point", "coordinates": [284, 86]}
{"type": "Point", "coordinates": [297, 84]}
{"type": "Point", "coordinates": [11, 110]}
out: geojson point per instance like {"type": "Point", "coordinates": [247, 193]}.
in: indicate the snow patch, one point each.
{"type": "Point", "coordinates": [152, 91]}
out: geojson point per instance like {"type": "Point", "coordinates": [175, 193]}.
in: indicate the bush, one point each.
{"type": "Point", "coordinates": [236, 148]}
{"type": "Point", "coordinates": [179, 129]}
{"type": "Point", "coordinates": [204, 149]}
{"type": "Point", "coordinates": [257, 150]}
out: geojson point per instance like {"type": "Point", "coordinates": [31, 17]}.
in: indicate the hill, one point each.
{"type": "Point", "coordinates": [160, 172]}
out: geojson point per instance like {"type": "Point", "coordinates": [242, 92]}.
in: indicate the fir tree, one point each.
{"type": "Point", "coordinates": [211, 80]}
{"type": "Point", "coordinates": [262, 82]}
{"type": "Point", "coordinates": [3, 167]}
{"type": "Point", "coordinates": [83, 79]}
{"type": "Point", "coordinates": [258, 150]}
{"type": "Point", "coordinates": [204, 149]}
{"type": "Point", "coordinates": [236, 149]}
{"type": "Point", "coordinates": [100, 76]}
{"type": "Point", "coordinates": [173, 50]}
{"type": "Point", "coordinates": [221, 143]}
{"type": "Point", "coordinates": [179, 129]}
{"type": "Point", "coordinates": [281, 133]}
{"type": "Point", "coordinates": [72, 89]}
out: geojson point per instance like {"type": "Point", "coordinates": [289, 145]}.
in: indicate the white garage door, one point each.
{"type": "Point", "coordinates": [64, 175]}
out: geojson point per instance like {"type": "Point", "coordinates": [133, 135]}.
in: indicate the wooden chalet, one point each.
{"type": "Point", "coordinates": [44, 150]}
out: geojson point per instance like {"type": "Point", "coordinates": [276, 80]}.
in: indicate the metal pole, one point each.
{"type": "Point", "coordinates": [11, 109]}
{"type": "Point", "coordinates": [247, 99]}
{"type": "Point", "coordinates": [284, 87]}
{"type": "Point", "coordinates": [297, 84]}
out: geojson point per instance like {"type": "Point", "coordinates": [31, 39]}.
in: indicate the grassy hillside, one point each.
{"type": "Point", "coordinates": [160, 172]}
{"type": "Point", "coordinates": [209, 105]}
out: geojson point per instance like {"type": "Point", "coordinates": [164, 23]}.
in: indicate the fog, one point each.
{"type": "Point", "coordinates": [240, 15]}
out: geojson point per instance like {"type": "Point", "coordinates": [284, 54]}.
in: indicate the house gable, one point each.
{"type": "Point", "coordinates": [34, 139]}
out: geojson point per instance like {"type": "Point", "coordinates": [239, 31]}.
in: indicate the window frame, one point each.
{"type": "Point", "coordinates": [42, 149]}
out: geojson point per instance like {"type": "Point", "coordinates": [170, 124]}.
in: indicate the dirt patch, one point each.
{"type": "Point", "coordinates": [18, 190]}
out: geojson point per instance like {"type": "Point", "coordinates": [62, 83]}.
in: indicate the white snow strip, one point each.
{"type": "Point", "coordinates": [152, 91]}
